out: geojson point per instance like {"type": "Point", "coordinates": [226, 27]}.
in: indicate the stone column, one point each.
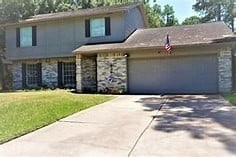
{"type": "Point", "coordinates": [225, 70]}
{"type": "Point", "coordinates": [17, 75]}
{"type": "Point", "coordinates": [79, 73]}
{"type": "Point", "coordinates": [49, 73]}
{"type": "Point", "coordinates": [112, 73]}
{"type": "Point", "coordinates": [89, 71]}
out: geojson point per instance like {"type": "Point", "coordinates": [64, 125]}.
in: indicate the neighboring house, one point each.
{"type": "Point", "coordinates": [113, 52]}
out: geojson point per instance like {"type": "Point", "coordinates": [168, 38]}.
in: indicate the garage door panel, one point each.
{"type": "Point", "coordinates": [192, 74]}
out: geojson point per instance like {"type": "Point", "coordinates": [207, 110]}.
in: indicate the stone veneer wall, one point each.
{"type": "Point", "coordinates": [115, 82]}
{"type": "Point", "coordinates": [86, 73]}
{"type": "Point", "coordinates": [49, 71]}
{"type": "Point", "coordinates": [89, 71]}
{"type": "Point", "coordinates": [225, 70]}
{"type": "Point", "coordinates": [17, 75]}
{"type": "Point", "coordinates": [79, 73]}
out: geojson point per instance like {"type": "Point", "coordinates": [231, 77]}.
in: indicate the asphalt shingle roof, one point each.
{"type": "Point", "coordinates": [207, 33]}
{"type": "Point", "coordinates": [78, 13]}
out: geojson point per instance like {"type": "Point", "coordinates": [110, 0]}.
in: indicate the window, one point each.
{"type": "Point", "coordinates": [66, 74]}
{"type": "Point", "coordinates": [97, 27]}
{"type": "Point", "coordinates": [25, 36]}
{"type": "Point", "coordinates": [69, 74]}
{"type": "Point", "coordinates": [31, 75]}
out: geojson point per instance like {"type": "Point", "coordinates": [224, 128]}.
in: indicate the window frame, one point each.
{"type": "Point", "coordinates": [31, 75]}
{"type": "Point", "coordinates": [24, 35]}
{"type": "Point", "coordinates": [69, 72]}
{"type": "Point", "coordinates": [102, 26]}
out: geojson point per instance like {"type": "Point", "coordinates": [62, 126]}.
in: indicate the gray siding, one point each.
{"type": "Point", "coordinates": [60, 38]}
{"type": "Point", "coordinates": [133, 20]}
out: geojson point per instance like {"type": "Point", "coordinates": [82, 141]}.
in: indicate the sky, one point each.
{"type": "Point", "coordinates": [182, 8]}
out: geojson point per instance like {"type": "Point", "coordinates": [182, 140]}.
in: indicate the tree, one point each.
{"type": "Point", "coordinates": [216, 10]}
{"type": "Point", "coordinates": [168, 16]}
{"type": "Point", "coordinates": [154, 15]}
{"type": "Point", "coordinates": [191, 20]}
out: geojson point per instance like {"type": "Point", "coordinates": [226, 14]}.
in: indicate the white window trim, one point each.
{"type": "Point", "coordinates": [97, 27]}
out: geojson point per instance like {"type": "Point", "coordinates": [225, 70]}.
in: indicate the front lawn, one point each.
{"type": "Point", "coordinates": [231, 97]}
{"type": "Point", "coordinates": [23, 112]}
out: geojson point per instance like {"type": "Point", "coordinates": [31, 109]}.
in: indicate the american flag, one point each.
{"type": "Point", "coordinates": [168, 47]}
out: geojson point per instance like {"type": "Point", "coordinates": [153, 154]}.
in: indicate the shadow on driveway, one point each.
{"type": "Point", "coordinates": [202, 116]}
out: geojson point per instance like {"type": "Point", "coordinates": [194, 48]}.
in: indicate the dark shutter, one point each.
{"type": "Point", "coordinates": [59, 69]}
{"type": "Point", "coordinates": [34, 36]}
{"type": "Point", "coordinates": [87, 28]}
{"type": "Point", "coordinates": [24, 85]}
{"type": "Point", "coordinates": [39, 74]}
{"type": "Point", "coordinates": [107, 26]}
{"type": "Point", "coordinates": [17, 37]}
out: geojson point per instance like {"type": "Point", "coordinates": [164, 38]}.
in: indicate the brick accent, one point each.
{"type": "Point", "coordinates": [225, 71]}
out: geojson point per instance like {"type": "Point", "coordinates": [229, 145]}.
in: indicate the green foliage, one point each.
{"type": "Point", "coordinates": [192, 20]}
{"type": "Point", "coordinates": [231, 97]}
{"type": "Point", "coordinates": [23, 112]}
{"type": "Point", "coordinates": [168, 16]}
{"type": "Point", "coordinates": [216, 10]}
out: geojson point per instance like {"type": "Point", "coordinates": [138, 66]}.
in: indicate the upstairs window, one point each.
{"type": "Point", "coordinates": [26, 36]}
{"type": "Point", "coordinates": [97, 27]}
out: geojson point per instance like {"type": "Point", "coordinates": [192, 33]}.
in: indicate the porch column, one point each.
{"type": "Point", "coordinates": [225, 70]}
{"type": "Point", "coordinates": [78, 72]}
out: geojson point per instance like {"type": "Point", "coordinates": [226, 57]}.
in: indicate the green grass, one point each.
{"type": "Point", "coordinates": [24, 112]}
{"type": "Point", "coordinates": [231, 97]}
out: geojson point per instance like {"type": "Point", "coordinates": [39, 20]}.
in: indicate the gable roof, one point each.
{"type": "Point", "coordinates": [207, 33]}
{"type": "Point", "coordinates": [81, 13]}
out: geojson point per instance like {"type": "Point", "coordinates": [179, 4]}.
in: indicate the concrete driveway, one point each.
{"type": "Point", "coordinates": [137, 126]}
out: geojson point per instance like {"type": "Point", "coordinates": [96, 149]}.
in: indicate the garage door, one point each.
{"type": "Point", "coordinates": [190, 74]}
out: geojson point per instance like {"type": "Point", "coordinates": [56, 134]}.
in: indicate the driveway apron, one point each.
{"type": "Point", "coordinates": [191, 126]}
{"type": "Point", "coordinates": [198, 125]}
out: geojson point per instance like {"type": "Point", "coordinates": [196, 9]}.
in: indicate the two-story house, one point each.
{"type": "Point", "coordinates": [109, 49]}
{"type": "Point", "coordinates": [41, 47]}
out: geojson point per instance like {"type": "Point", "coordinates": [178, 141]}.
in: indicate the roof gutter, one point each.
{"type": "Point", "coordinates": [153, 47]}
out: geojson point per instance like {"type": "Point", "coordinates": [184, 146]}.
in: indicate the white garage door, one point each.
{"type": "Point", "coordinates": [189, 74]}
